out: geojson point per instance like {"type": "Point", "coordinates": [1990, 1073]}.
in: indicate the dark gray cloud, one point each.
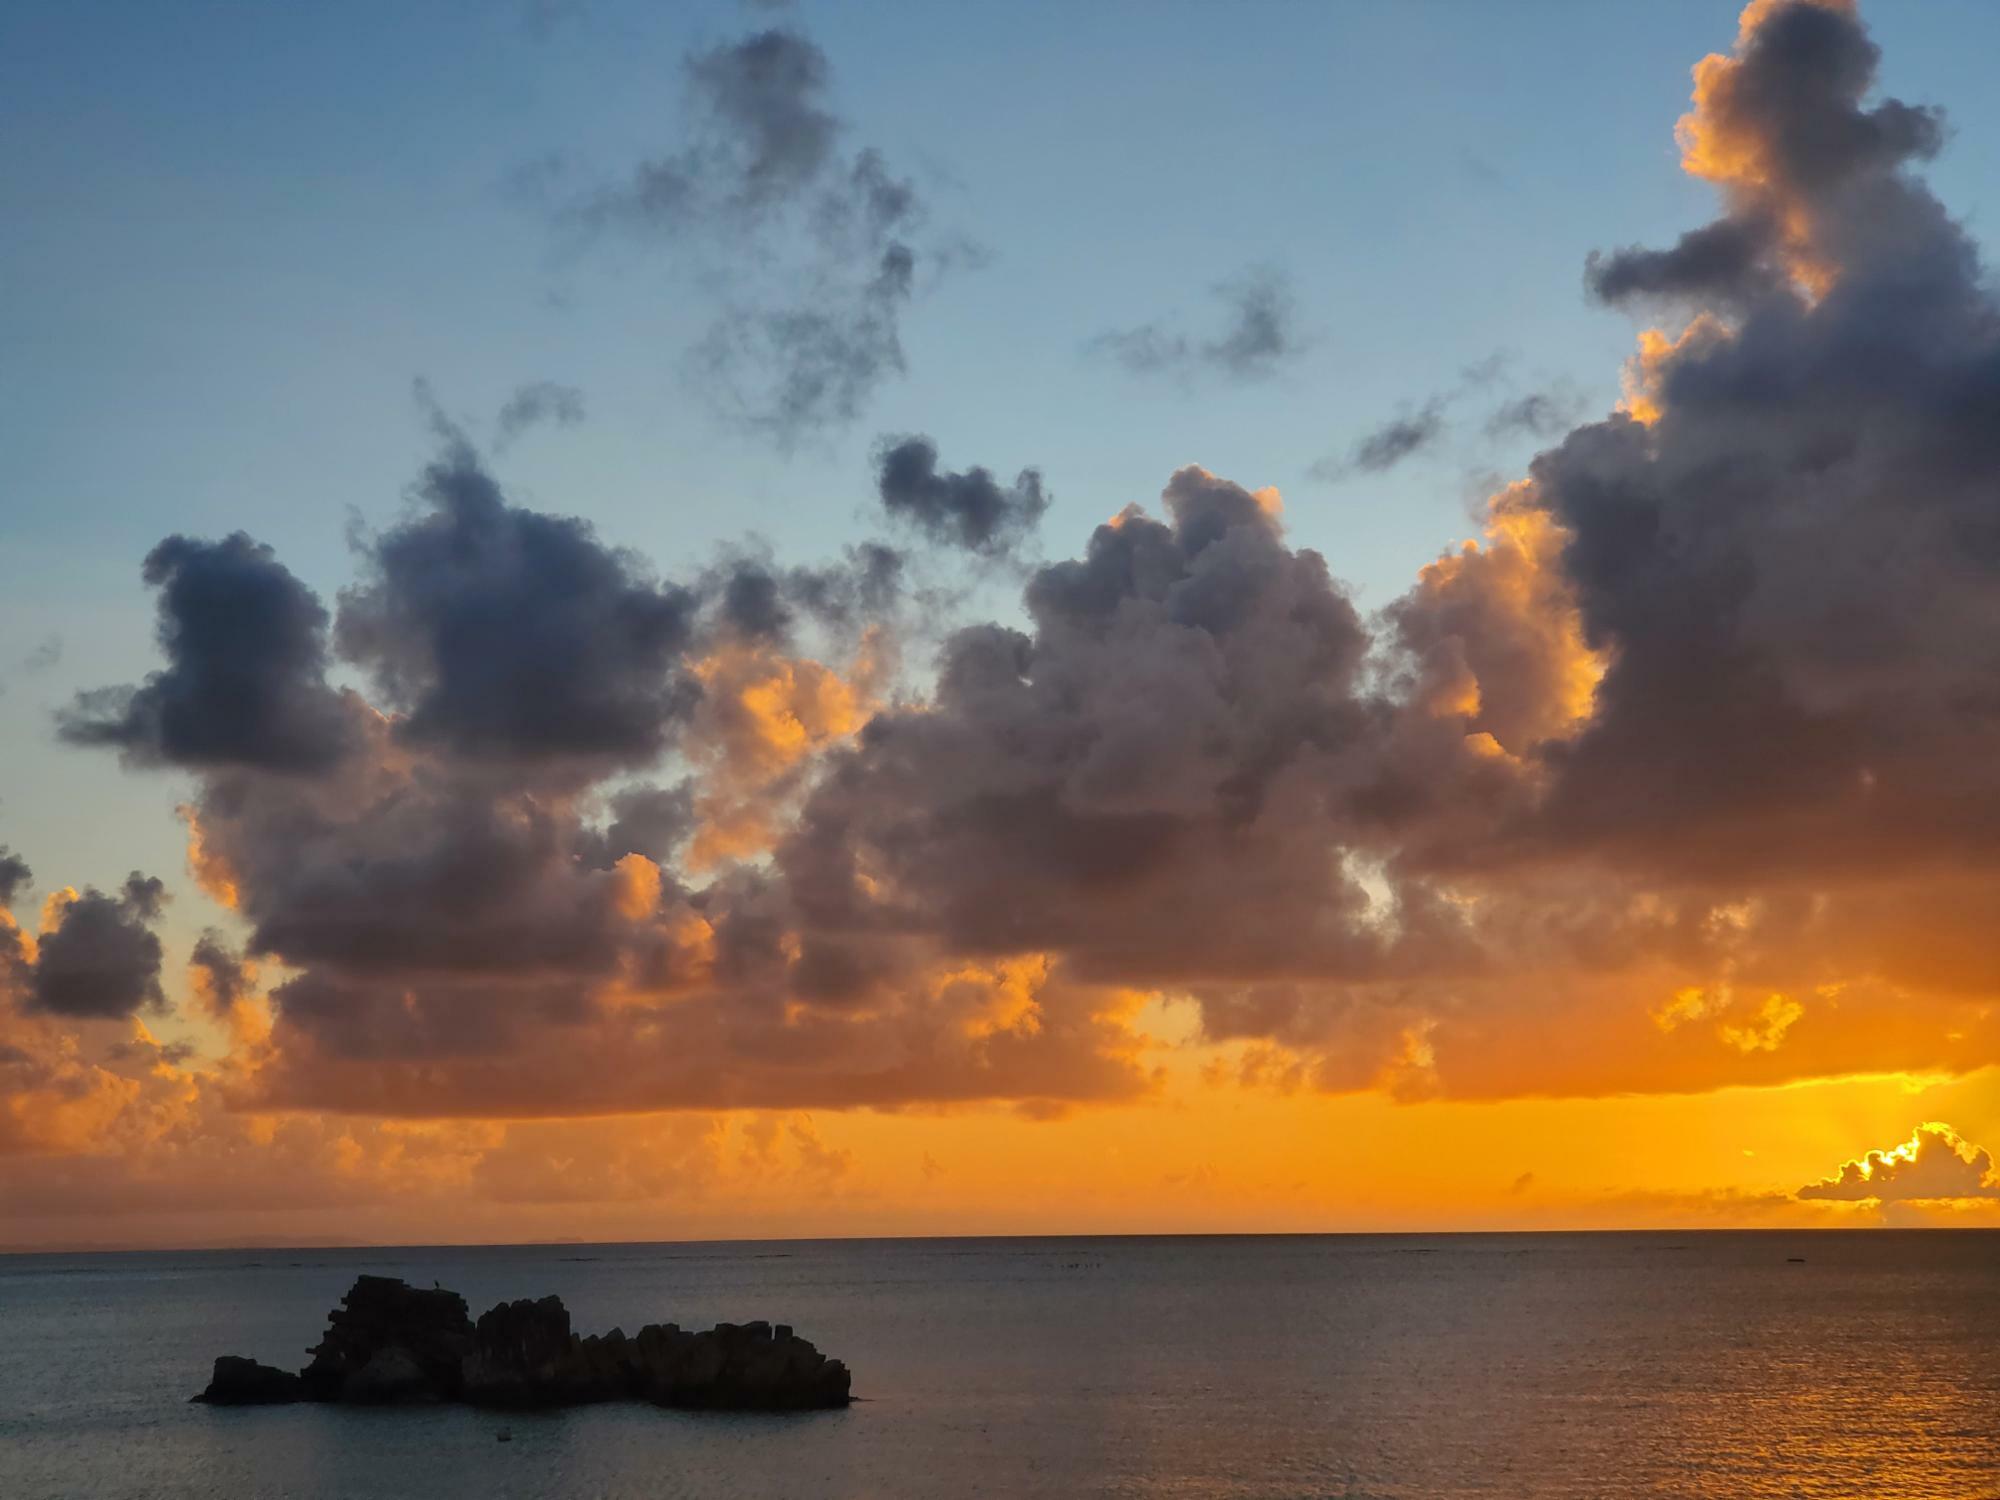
{"type": "Point", "coordinates": [865, 587]}
{"type": "Point", "coordinates": [763, 136]}
{"type": "Point", "coordinates": [1730, 259]}
{"type": "Point", "coordinates": [15, 876]}
{"type": "Point", "coordinates": [1380, 450]}
{"type": "Point", "coordinates": [969, 509]}
{"type": "Point", "coordinates": [245, 685]}
{"type": "Point", "coordinates": [1398, 439]}
{"type": "Point", "coordinates": [430, 874]}
{"type": "Point", "coordinates": [753, 603]}
{"type": "Point", "coordinates": [223, 978]}
{"type": "Point", "coordinates": [1422, 429]}
{"type": "Point", "coordinates": [504, 633]}
{"type": "Point", "coordinates": [764, 181]}
{"type": "Point", "coordinates": [1260, 333]}
{"type": "Point", "coordinates": [543, 401]}
{"type": "Point", "coordinates": [751, 595]}
{"type": "Point", "coordinates": [101, 961]}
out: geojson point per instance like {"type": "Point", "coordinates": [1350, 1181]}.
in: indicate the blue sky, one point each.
{"type": "Point", "coordinates": [232, 235]}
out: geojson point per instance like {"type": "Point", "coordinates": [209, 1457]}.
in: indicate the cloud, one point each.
{"type": "Point", "coordinates": [1770, 702]}
{"type": "Point", "coordinates": [1259, 334]}
{"type": "Point", "coordinates": [1418, 430]}
{"type": "Point", "coordinates": [764, 180]}
{"type": "Point", "coordinates": [543, 401]}
{"type": "Point", "coordinates": [15, 876]}
{"type": "Point", "coordinates": [245, 643]}
{"type": "Point", "coordinates": [1539, 414]}
{"type": "Point", "coordinates": [1681, 773]}
{"type": "Point", "coordinates": [472, 911]}
{"type": "Point", "coordinates": [794, 370]}
{"type": "Point", "coordinates": [1935, 1162]}
{"type": "Point", "coordinates": [969, 509]}
{"type": "Point", "coordinates": [1146, 782]}
{"type": "Point", "coordinates": [1381, 450]}
{"type": "Point", "coordinates": [1727, 260]}
{"type": "Point", "coordinates": [97, 956]}
{"type": "Point", "coordinates": [504, 633]}
{"type": "Point", "coordinates": [221, 977]}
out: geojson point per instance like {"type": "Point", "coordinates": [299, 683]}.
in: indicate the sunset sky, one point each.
{"type": "Point", "coordinates": [626, 621]}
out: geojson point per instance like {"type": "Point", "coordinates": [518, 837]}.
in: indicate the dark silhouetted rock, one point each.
{"type": "Point", "coordinates": [736, 1367]}
{"type": "Point", "coordinates": [523, 1354]}
{"type": "Point", "coordinates": [379, 1313]}
{"type": "Point", "coordinates": [389, 1343]}
{"type": "Point", "coordinates": [244, 1382]}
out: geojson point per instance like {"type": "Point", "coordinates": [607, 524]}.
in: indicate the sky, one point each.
{"type": "Point", "coordinates": [623, 621]}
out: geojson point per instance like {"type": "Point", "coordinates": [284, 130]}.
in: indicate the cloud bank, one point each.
{"type": "Point", "coordinates": [1683, 774]}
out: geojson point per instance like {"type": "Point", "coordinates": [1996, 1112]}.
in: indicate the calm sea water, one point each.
{"type": "Point", "coordinates": [1504, 1365]}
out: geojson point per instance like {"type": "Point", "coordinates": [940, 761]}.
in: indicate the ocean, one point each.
{"type": "Point", "coordinates": [1702, 1364]}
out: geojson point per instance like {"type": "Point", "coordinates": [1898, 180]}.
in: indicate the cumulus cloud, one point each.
{"type": "Point", "coordinates": [1259, 334]}
{"type": "Point", "coordinates": [471, 909]}
{"type": "Point", "coordinates": [506, 633]}
{"type": "Point", "coordinates": [244, 684]}
{"type": "Point", "coordinates": [1935, 1162]}
{"type": "Point", "coordinates": [970, 509]}
{"type": "Point", "coordinates": [97, 955]}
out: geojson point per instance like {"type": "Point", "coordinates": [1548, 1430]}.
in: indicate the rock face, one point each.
{"type": "Point", "coordinates": [390, 1343]}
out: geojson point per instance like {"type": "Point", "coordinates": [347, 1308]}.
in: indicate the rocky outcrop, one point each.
{"type": "Point", "coordinates": [735, 1367]}
{"type": "Point", "coordinates": [244, 1382]}
{"type": "Point", "coordinates": [390, 1343]}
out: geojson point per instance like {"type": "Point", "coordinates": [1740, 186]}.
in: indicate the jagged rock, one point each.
{"type": "Point", "coordinates": [389, 1342]}
{"type": "Point", "coordinates": [524, 1355]}
{"type": "Point", "coordinates": [431, 1328]}
{"type": "Point", "coordinates": [244, 1382]}
{"type": "Point", "coordinates": [736, 1367]}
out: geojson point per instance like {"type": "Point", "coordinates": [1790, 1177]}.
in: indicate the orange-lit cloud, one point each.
{"type": "Point", "coordinates": [1935, 1162]}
